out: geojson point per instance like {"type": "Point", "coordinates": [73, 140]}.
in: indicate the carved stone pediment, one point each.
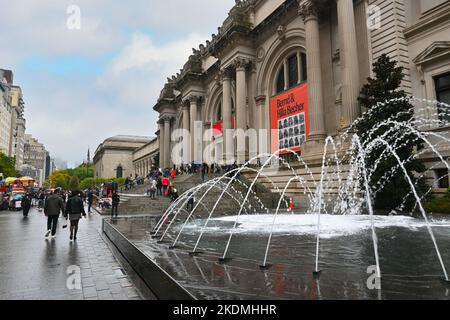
{"type": "Point", "coordinates": [436, 50]}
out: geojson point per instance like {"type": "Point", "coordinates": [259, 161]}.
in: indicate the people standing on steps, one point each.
{"type": "Point", "coordinates": [165, 185]}
{"type": "Point", "coordinates": [159, 186]}
{"type": "Point", "coordinates": [153, 189]}
{"type": "Point", "coordinates": [74, 211]}
{"type": "Point", "coordinates": [115, 205]}
{"type": "Point", "coordinates": [53, 207]}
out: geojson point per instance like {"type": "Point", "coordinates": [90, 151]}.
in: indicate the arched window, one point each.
{"type": "Point", "coordinates": [280, 80]}
{"type": "Point", "coordinates": [119, 172]}
{"type": "Point", "coordinates": [292, 72]}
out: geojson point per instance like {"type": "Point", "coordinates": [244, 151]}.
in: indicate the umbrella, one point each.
{"type": "Point", "coordinates": [27, 179]}
{"type": "Point", "coordinates": [11, 180]}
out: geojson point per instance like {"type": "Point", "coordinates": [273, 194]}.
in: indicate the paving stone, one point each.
{"type": "Point", "coordinates": [39, 272]}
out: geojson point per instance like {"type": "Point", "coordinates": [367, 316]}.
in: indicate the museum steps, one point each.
{"type": "Point", "coordinates": [275, 181]}
{"type": "Point", "coordinates": [136, 202]}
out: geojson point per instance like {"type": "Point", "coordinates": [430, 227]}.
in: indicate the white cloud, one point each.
{"type": "Point", "coordinates": [138, 74]}
{"type": "Point", "coordinates": [151, 40]}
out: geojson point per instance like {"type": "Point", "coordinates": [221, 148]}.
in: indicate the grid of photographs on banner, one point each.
{"type": "Point", "coordinates": [292, 131]}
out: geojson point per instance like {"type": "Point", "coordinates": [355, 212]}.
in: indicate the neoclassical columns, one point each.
{"type": "Point", "coordinates": [161, 143]}
{"type": "Point", "coordinates": [308, 12]}
{"type": "Point", "coordinates": [193, 101]}
{"type": "Point", "coordinates": [228, 145]}
{"type": "Point", "coordinates": [167, 150]}
{"type": "Point", "coordinates": [241, 107]}
{"type": "Point", "coordinates": [187, 129]}
{"type": "Point", "coordinates": [349, 61]}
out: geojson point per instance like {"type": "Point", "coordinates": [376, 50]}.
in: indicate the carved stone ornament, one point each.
{"type": "Point", "coordinates": [281, 31]}
{"type": "Point", "coordinates": [240, 63]}
{"type": "Point", "coordinates": [307, 8]}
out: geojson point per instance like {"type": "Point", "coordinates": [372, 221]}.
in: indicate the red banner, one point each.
{"type": "Point", "coordinates": [289, 119]}
{"type": "Point", "coordinates": [218, 127]}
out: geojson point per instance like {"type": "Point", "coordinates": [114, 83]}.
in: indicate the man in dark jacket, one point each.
{"type": "Point", "coordinates": [54, 205]}
{"type": "Point", "coordinates": [115, 204]}
{"type": "Point", "coordinates": [90, 198]}
{"type": "Point", "coordinates": [26, 204]}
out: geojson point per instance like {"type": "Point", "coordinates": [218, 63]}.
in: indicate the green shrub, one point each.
{"type": "Point", "coordinates": [438, 205]}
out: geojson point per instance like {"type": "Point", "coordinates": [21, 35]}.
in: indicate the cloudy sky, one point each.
{"type": "Point", "coordinates": [83, 85]}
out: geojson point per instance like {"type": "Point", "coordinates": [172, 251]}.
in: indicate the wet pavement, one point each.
{"type": "Point", "coordinates": [34, 268]}
{"type": "Point", "coordinates": [409, 265]}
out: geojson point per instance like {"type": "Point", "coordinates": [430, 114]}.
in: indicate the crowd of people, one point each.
{"type": "Point", "coordinates": [69, 204]}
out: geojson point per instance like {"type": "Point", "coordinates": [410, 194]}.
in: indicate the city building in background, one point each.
{"type": "Point", "coordinates": [35, 158]}
{"type": "Point", "coordinates": [6, 110]}
{"type": "Point", "coordinates": [121, 156]}
{"type": "Point", "coordinates": [18, 126]}
{"type": "Point", "coordinates": [12, 121]}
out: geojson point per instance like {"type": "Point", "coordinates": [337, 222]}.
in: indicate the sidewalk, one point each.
{"type": "Point", "coordinates": [32, 267]}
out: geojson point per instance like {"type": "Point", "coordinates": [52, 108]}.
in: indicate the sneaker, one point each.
{"type": "Point", "coordinates": [53, 237]}
{"type": "Point", "coordinates": [74, 238]}
{"type": "Point", "coordinates": [48, 233]}
{"type": "Point", "coordinates": [71, 237]}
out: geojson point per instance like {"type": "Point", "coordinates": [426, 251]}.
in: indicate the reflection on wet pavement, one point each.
{"type": "Point", "coordinates": [32, 267]}
{"type": "Point", "coordinates": [409, 265]}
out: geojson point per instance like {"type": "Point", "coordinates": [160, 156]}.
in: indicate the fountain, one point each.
{"type": "Point", "coordinates": [344, 213]}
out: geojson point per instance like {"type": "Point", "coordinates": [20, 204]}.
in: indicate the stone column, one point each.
{"type": "Point", "coordinates": [166, 142]}
{"type": "Point", "coordinates": [193, 109]}
{"type": "Point", "coordinates": [308, 12]}
{"type": "Point", "coordinates": [186, 138]}
{"type": "Point", "coordinates": [228, 146]}
{"type": "Point", "coordinates": [349, 61]}
{"type": "Point", "coordinates": [161, 143]}
{"type": "Point", "coordinates": [241, 108]}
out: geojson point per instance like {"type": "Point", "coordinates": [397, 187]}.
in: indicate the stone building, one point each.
{"type": "Point", "coordinates": [268, 52]}
{"type": "Point", "coordinates": [35, 158]}
{"type": "Point", "coordinates": [6, 113]}
{"type": "Point", "coordinates": [12, 121]}
{"type": "Point", "coordinates": [17, 130]}
{"type": "Point", "coordinates": [146, 158]}
{"type": "Point", "coordinates": [115, 157]}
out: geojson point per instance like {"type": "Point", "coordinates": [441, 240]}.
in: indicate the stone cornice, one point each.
{"type": "Point", "coordinates": [428, 23]}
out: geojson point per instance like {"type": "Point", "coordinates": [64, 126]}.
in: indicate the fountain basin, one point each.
{"type": "Point", "coordinates": [409, 266]}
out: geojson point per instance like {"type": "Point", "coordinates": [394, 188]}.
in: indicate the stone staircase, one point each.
{"type": "Point", "coordinates": [136, 202]}
{"type": "Point", "coordinates": [275, 182]}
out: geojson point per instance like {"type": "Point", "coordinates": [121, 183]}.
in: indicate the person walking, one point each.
{"type": "Point", "coordinates": [191, 201]}
{"type": "Point", "coordinates": [203, 171]}
{"type": "Point", "coordinates": [90, 199]}
{"type": "Point", "coordinates": [115, 205]}
{"type": "Point", "coordinates": [74, 211]}
{"type": "Point", "coordinates": [54, 205]}
{"type": "Point", "coordinates": [26, 204]}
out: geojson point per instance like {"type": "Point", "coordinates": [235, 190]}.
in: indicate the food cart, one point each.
{"type": "Point", "coordinates": [27, 182]}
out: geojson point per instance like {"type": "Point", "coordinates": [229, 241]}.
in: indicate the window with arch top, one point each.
{"type": "Point", "coordinates": [292, 72]}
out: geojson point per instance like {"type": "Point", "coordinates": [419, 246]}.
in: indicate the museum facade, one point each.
{"type": "Point", "coordinates": [297, 66]}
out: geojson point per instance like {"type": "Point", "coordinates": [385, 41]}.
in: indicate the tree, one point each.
{"type": "Point", "coordinates": [74, 183]}
{"type": "Point", "coordinates": [7, 166]}
{"type": "Point", "coordinates": [60, 179]}
{"type": "Point", "coordinates": [391, 190]}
